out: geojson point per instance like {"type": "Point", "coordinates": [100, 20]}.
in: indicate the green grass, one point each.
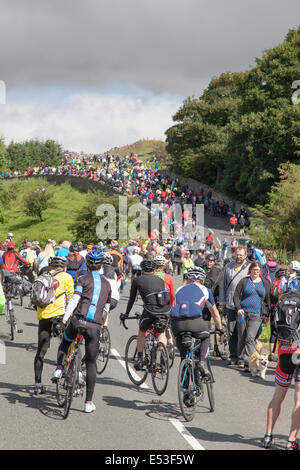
{"type": "Point", "coordinates": [65, 204]}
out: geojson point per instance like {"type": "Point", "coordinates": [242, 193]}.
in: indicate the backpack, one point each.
{"type": "Point", "coordinates": [43, 290]}
{"type": "Point", "coordinates": [75, 261]}
{"type": "Point", "coordinates": [287, 317]}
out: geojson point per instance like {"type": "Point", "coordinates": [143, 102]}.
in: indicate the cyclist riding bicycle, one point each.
{"type": "Point", "coordinates": [63, 292]}
{"type": "Point", "coordinates": [187, 314]}
{"type": "Point", "coordinates": [91, 297]}
{"type": "Point", "coordinates": [156, 299]}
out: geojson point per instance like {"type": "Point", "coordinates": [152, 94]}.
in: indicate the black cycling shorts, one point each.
{"type": "Point", "coordinates": [147, 319]}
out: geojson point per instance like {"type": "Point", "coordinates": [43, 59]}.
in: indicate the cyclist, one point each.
{"type": "Point", "coordinates": [11, 259]}
{"type": "Point", "coordinates": [186, 315]}
{"type": "Point", "coordinates": [91, 297]}
{"type": "Point", "coordinates": [148, 285]}
{"type": "Point", "coordinates": [134, 263]}
{"type": "Point", "coordinates": [109, 272]}
{"type": "Point", "coordinates": [63, 292]}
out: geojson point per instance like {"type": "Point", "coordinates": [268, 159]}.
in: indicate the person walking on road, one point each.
{"type": "Point", "coordinates": [233, 273]}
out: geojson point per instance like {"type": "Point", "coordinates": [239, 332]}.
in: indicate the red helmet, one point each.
{"type": "Point", "coordinates": [10, 245]}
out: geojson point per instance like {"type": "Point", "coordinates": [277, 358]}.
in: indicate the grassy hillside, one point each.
{"type": "Point", "coordinates": [141, 147]}
{"type": "Point", "coordinates": [65, 205]}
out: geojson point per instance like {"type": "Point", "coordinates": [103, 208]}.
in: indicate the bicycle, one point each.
{"type": "Point", "coordinates": [156, 360]}
{"type": "Point", "coordinates": [221, 342]}
{"type": "Point", "coordinates": [69, 385]}
{"type": "Point", "coordinates": [9, 292]}
{"type": "Point", "coordinates": [104, 350]}
{"type": "Point", "coordinates": [192, 380]}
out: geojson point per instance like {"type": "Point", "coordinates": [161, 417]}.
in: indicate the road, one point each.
{"type": "Point", "coordinates": [127, 418]}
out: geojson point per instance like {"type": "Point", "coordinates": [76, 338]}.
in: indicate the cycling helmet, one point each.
{"type": "Point", "coordinates": [94, 259]}
{"type": "Point", "coordinates": [196, 274]}
{"type": "Point", "coordinates": [295, 266]}
{"type": "Point", "coordinates": [210, 257]}
{"type": "Point", "coordinates": [10, 235]}
{"type": "Point", "coordinates": [107, 258]}
{"type": "Point", "coordinates": [57, 262]}
{"type": "Point", "coordinates": [148, 265]}
{"type": "Point", "coordinates": [160, 260]}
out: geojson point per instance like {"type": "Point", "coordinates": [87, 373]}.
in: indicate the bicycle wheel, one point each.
{"type": "Point", "coordinates": [210, 393]}
{"type": "Point", "coordinates": [186, 390]}
{"type": "Point", "coordinates": [171, 348]}
{"type": "Point", "coordinates": [160, 368]}
{"type": "Point", "coordinates": [70, 382]}
{"type": "Point", "coordinates": [12, 322]}
{"type": "Point", "coordinates": [61, 389]}
{"type": "Point", "coordinates": [104, 350]}
{"type": "Point", "coordinates": [136, 377]}
{"type": "Point", "coordinates": [222, 345]}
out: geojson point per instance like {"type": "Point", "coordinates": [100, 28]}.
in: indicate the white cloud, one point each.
{"type": "Point", "coordinates": [89, 122]}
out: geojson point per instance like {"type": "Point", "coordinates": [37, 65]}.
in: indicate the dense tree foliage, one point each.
{"type": "Point", "coordinates": [277, 224]}
{"type": "Point", "coordinates": [32, 153]}
{"type": "Point", "coordinates": [243, 127]}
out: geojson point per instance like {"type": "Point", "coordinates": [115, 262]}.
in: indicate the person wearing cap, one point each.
{"type": "Point", "coordinates": [290, 283]}
{"type": "Point", "coordinates": [36, 247]}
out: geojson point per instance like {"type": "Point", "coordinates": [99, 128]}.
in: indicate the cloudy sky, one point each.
{"type": "Point", "coordinates": [93, 74]}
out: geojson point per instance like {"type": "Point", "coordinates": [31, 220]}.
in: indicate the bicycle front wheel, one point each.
{"type": "Point", "coordinates": [186, 390]}
{"type": "Point", "coordinates": [160, 368]}
{"type": "Point", "coordinates": [136, 377]}
{"type": "Point", "coordinates": [104, 350]}
{"type": "Point", "coordinates": [222, 345]}
{"type": "Point", "coordinates": [70, 382]}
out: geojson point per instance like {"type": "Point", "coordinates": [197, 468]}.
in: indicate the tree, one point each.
{"type": "Point", "coordinates": [277, 224]}
{"type": "Point", "coordinates": [32, 153]}
{"type": "Point", "coordinates": [38, 201]}
{"type": "Point", "coordinates": [243, 127]}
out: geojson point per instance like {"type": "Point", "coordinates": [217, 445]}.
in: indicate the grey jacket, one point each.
{"type": "Point", "coordinates": [227, 287]}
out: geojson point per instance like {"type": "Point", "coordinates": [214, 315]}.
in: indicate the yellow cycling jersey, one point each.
{"type": "Point", "coordinates": [66, 286]}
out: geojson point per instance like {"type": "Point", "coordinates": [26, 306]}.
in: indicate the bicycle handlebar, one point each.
{"type": "Point", "coordinates": [124, 317]}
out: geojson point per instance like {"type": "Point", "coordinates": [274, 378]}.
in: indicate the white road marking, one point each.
{"type": "Point", "coordinates": [179, 426]}
{"type": "Point", "coordinates": [123, 364]}
{"type": "Point", "coordinates": [192, 441]}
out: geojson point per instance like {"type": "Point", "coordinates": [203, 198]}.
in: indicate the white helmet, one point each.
{"type": "Point", "coordinates": [295, 266]}
{"type": "Point", "coordinates": [10, 235]}
{"type": "Point", "coordinates": [160, 260]}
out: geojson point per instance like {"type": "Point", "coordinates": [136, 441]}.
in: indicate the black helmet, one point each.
{"type": "Point", "coordinates": [57, 262]}
{"type": "Point", "coordinates": [210, 257]}
{"type": "Point", "coordinates": [148, 265]}
{"type": "Point", "coordinates": [94, 259]}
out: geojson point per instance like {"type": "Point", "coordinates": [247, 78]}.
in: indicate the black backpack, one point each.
{"type": "Point", "coordinates": [287, 317]}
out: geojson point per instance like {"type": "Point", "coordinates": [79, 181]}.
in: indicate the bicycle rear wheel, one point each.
{"type": "Point", "coordinates": [160, 368]}
{"type": "Point", "coordinates": [70, 382]}
{"type": "Point", "coordinates": [210, 393]}
{"type": "Point", "coordinates": [104, 350]}
{"type": "Point", "coordinates": [12, 322]}
{"type": "Point", "coordinates": [171, 347]}
{"type": "Point", "coordinates": [136, 377]}
{"type": "Point", "coordinates": [186, 390]}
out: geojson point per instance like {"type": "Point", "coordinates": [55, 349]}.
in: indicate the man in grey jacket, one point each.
{"type": "Point", "coordinates": [233, 273]}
